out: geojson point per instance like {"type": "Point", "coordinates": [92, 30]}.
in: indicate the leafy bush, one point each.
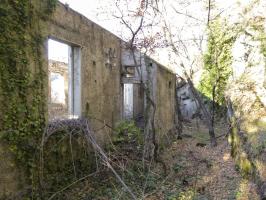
{"type": "Point", "coordinates": [127, 132]}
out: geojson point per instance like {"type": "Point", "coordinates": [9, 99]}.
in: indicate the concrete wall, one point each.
{"type": "Point", "coordinates": [101, 61]}
{"type": "Point", "coordinates": [100, 64]}
{"type": "Point", "coordinates": [187, 104]}
{"type": "Point", "coordinates": [11, 177]}
{"type": "Point", "coordinates": [138, 101]}
{"type": "Point", "coordinates": [165, 100]}
{"type": "Point", "coordinates": [163, 83]}
{"type": "Point", "coordinates": [101, 96]}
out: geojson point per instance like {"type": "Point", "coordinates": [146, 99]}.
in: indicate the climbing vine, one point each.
{"type": "Point", "coordinates": [22, 97]}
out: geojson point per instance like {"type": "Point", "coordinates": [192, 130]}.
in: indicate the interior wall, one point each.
{"type": "Point", "coordinates": [128, 101]}
{"type": "Point", "coordinates": [138, 101]}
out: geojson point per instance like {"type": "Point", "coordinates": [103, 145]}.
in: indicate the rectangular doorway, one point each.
{"type": "Point", "coordinates": [128, 101]}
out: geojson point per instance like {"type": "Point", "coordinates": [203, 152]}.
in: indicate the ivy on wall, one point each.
{"type": "Point", "coordinates": [22, 78]}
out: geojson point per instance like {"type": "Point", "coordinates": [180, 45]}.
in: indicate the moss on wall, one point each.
{"type": "Point", "coordinates": [248, 145]}
{"type": "Point", "coordinates": [25, 27]}
{"type": "Point", "coordinates": [22, 96]}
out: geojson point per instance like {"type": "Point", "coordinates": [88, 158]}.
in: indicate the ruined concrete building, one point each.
{"type": "Point", "coordinates": [99, 78]}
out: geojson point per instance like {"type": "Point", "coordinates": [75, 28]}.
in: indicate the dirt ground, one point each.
{"type": "Point", "coordinates": [204, 172]}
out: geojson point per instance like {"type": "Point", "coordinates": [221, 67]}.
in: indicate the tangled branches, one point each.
{"type": "Point", "coordinates": [81, 126]}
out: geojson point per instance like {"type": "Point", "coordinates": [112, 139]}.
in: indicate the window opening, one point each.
{"type": "Point", "coordinates": [64, 80]}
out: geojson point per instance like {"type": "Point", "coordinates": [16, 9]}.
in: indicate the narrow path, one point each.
{"type": "Point", "coordinates": [209, 172]}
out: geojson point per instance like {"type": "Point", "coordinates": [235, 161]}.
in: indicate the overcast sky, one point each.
{"type": "Point", "coordinates": [100, 11]}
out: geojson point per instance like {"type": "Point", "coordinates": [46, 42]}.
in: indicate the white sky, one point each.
{"type": "Point", "coordinates": [94, 9]}
{"type": "Point", "coordinates": [100, 11]}
{"type": "Point", "coordinates": [57, 51]}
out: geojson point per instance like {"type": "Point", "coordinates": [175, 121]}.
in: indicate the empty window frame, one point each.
{"type": "Point", "coordinates": [64, 80]}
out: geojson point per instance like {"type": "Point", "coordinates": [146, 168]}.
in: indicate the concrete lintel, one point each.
{"type": "Point", "coordinates": [132, 80]}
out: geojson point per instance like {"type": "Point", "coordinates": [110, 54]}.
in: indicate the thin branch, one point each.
{"type": "Point", "coordinates": [185, 14]}
{"type": "Point", "coordinates": [209, 12]}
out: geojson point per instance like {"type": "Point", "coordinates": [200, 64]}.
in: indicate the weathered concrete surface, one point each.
{"type": "Point", "coordinates": [101, 95]}
{"type": "Point", "coordinates": [138, 101]}
{"type": "Point", "coordinates": [187, 105]}
{"type": "Point", "coordinates": [11, 178]}
{"type": "Point", "coordinates": [165, 101]}
{"type": "Point", "coordinates": [162, 91]}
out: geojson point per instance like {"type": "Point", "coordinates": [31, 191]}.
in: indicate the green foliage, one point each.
{"type": "Point", "coordinates": [243, 164]}
{"type": "Point", "coordinates": [257, 143]}
{"type": "Point", "coordinates": [51, 4]}
{"type": "Point", "coordinates": [256, 24]}
{"type": "Point", "coordinates": [22, 79]}
{"type": "Point", "coordinates": [127, 131]}
{"type": "Point", "coordinates": [217, 61]}
{"type": "Point", "coordinates": [262, 39]}
{"type": "Point", "coordinates": [177, 167]}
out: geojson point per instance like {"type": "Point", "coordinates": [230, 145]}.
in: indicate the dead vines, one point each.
{"type": "Point", "coordinates": [81, 126]}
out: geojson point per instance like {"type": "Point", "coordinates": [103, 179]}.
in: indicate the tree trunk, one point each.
{"type": "Point", "coordinates": [150, 145]}
{"type": "Point", "coordinates": [206, 114]}
{"type": "Point", "coordinates": [213, 105]}
{"type": "Point", "coordinates": [178, 117]}
{"type": "Point", "coordinates": [234, 129]}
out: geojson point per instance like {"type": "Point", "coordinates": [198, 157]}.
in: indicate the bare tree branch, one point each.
{"type": "Point", "coordinates": [209, 12]}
